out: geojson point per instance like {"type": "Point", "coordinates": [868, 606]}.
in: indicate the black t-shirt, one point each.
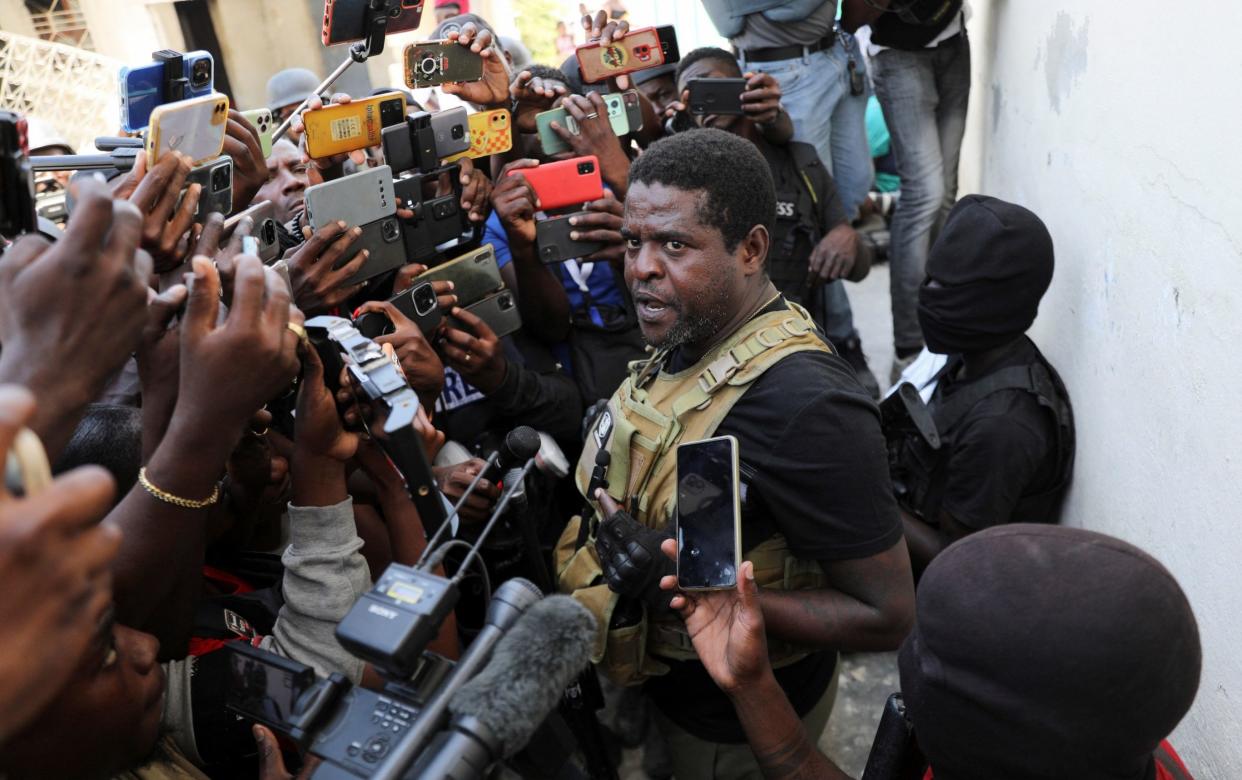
{"type": "Point", "coordinates": [815, 469]}
{"type": "Point", "coordinates": [1004, 448]}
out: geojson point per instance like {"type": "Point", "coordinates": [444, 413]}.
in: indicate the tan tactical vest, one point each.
{"type": "Point", "coordinates": [645, 420]}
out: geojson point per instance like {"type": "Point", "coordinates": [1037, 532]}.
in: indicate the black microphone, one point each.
{"type": "Point", "coordinates": [496, 714]}
{"type": "Point", "coordinates": [511, 599]}
{"type": "Point", "coordinates": [520, 445]}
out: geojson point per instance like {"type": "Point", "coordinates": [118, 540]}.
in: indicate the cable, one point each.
{"type": "Point", "coordinates": [441, 551]}
{"type": "Point", "coordinates": [491, 459]}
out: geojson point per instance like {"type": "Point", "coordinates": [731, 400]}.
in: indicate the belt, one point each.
{"type": "Point", "coordinates": [776, 53]}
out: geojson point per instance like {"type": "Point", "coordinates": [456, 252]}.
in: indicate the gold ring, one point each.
{"type": "Point", "coordinates": [467, 357]}
{"type": "Point", "coordinates": [298, 330]}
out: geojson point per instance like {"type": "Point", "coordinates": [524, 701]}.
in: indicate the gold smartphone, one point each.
{"type": "Point", "coordinates": [194, 127]}
{"type": "Point", "coordinates": [345, 127]}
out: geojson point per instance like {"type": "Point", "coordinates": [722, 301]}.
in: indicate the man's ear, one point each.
{"type": "Point", "coordinates": [754, 250]}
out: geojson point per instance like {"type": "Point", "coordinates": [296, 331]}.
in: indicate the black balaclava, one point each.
{"type": "Point", "coordinates": [1044, 652]}
{"type": "Point", "coordinates": [991, 264]}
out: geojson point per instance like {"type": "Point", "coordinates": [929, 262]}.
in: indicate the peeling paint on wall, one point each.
{"type": "Point", "coordinates": [1066, 60]}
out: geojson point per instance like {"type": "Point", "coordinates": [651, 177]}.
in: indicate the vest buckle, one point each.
{"type": "Point", "coordinates": [718, 372]}
{"type": "Point", "coordinates": [795, 327]}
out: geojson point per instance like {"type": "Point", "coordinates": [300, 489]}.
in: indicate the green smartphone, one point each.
{"type": "Point", "coordinates": [262, 120]}
{"type": "Point", "coordinates": [552, 143]}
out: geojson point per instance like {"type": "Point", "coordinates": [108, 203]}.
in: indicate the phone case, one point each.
{"type": "Point", "coordinates": [432, 63]}
{"type": "Point", "coordinates": [452, 131]}
{"type": "Point", "coordinates": [216, 178]}
{"type": "Point", "coordinates": [18, 209]}
{"type": "Point", "coordinates": [357, 199]}
{"type": "Point", "coordinates": [553, 144]}
{"type": "Point", "coordinates": [345, 20]}
{"type": "Point", "coordinates": [566, 182]}
{"type": "Point", "coordinates": [474, 275]}
{"type": "Point", "coordinates": [706, 492]}
{"type": "Point", "coordinates": [633, 109]}
{"type": "Point", "coordinates": [263, 215]}
{"type": "Point", "coordinates": [142, 88]}
{"type": "Point", "coordinates": [637, 51]}
{"type": "Point", "coordinates": [262, 120]}
{"type": "Point", "coordinates": [193, 127]}
{"type": "Point", "coordinates": [491, 132]}
{"type": "Point", "coordinates": [715, 96]}
{"type": "Point", "coordinates": [499, 310]}
{"type": "Point", "coordinates": [554, 243]}
{"type": "Point", "coordinates": [342, 128]}
{"type": "Point", "coordinates": [668, 43]}
{"type": "Point", "coordinates": [384, 239]}
{"type": "Point", "coordinates": [417, 303]}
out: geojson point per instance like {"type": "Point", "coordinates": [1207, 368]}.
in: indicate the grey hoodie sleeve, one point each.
{"type": "Point", "coordinates": [324, 575]}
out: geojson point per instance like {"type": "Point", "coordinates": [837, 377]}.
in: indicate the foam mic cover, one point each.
{"type": "Point", "coordinates": [529, 671]}
{"type": "Point", "coordinates": [520, 445]}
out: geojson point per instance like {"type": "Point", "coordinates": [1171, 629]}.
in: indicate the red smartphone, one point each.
{"type": "Point", "coordinates": [345, 21]}
{"type": "Point", "coordinates": [565, 183]}
{"type": "Point", "coordinates": [638, 50]}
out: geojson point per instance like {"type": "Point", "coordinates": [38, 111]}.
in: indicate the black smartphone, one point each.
{"type": "Point", "coordinates": [264, 686]}
{"type": "Point", "coordinates": [668, 43]}
{"type": "Point", "coordinates": [633, 109]}
{"type": "Point", "coordinates": [17, 186]}
{"type": "Point", "coordinates": [716, 96]}
{"type": "Point", "coordinates": [216, 180]}
{"type": "Point", "coordinates": [709, 527]}
{"type": "Point", "coordinates": [418, 303]}
{"type": "Point", "coordinates": [263, 231]}
{"type": "Point", "coordinates": [498, 310]}
{"type": "Point", "coordinates": [555, 245]}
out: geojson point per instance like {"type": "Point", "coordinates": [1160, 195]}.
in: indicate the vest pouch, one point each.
{"type": "Point", "coordinates": [626, 660]}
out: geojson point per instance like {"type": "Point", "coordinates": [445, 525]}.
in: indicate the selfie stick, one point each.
{"type": "Point", "coordinates": [121, 159]}
{"type": "Point", "coordinates": [377, 26]}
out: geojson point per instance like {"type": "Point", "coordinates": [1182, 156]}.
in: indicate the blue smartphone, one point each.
{"type": "Point", "coordinates": [142, 87]}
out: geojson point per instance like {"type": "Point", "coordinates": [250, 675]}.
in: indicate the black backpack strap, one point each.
{"type": "Point", "coordinates": [948, 412]}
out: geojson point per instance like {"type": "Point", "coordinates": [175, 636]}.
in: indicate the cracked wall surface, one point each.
{"type": "Point", "coordinates": [1117, 125]}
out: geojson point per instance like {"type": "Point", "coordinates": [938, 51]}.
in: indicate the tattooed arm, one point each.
{"type": "Point", "coordinates": [868, 604]}
{"type": "Point", "coordinates": [780, 744]}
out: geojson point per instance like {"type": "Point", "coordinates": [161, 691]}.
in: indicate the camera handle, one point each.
{"type": "Point", "coordinates": [377, 27]}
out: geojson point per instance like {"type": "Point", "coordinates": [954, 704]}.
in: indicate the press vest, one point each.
{"type": "Point", "coordinates": [920, 472]}
{"type": "Point", "coordinates": [797, 229]}
{"type": "Point", "coordinates": [651, 413]}
{"type": "Point", "coordinates": [914, 26]}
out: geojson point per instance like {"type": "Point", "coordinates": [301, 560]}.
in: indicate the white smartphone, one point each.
{"type": "Point", "coordinates": [194, 127]}
{"type": "Point", "coordinates": [709, 514]}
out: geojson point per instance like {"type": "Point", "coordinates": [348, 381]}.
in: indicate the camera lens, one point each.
{"type": "Point", "coordinates": [200, 73]}
{"type": "Point", "coordinates": [269, 231]}
{"type": "Point", "coordinates": [585, 168]}
{"type": "Point", "coordinates": [221, 179]}
{"type": "Point", "coordinates": [505, 302]}
{"type": "Point", "coordinates": [424, 299]}
{"type": "Point", "coordinates": [457, 132]}
{"type": "Point", "coordinates": [391, 231]}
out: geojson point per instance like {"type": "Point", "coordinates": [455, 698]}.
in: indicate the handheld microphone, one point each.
{"type": "Point", "coordinates": [508, 604]}
{"type": "Point", "coordinates": [520, 445]}
{"type": "Point", "coordinates": [496, 714]}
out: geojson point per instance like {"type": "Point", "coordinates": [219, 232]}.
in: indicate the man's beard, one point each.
{"type": "Point", "coordinates": [694, 327]}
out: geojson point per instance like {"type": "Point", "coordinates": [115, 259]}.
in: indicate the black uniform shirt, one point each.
{"type": "Point", "coordinates": [810, 437]}
{"type": "Point", "coordinates": [1004, 448]}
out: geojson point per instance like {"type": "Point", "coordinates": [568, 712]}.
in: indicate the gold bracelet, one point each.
{"type": "Point", "coordinates": [169, 498]}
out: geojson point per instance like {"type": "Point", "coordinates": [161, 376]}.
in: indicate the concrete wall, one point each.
{"type": "Point", "coordinates": [1118, 124]}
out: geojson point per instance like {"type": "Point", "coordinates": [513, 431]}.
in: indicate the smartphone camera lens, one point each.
{"type": "Point", "coordinates": [200, 73]}
{"type": "Point", "coordinates": [458, 132]}
{"type": "Point", "coordinates": [505, 302]}
{"type": "Point", "coordinates": [391, 230]}
{"type": "Point", "coordinates": [424, 299]}
{"type": "Point", "coordinates": [585, 168]}
{"type": "Point", "coordinates": [269, 231]}
{"type": "Point", "coordinates": [221, 178]}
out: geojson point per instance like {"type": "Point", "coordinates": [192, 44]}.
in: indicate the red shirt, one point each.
{"type": "Point", "coordinates": [1169, 765]}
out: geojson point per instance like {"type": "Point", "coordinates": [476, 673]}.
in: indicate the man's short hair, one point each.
{"type": "Point", "coordinates": [729, 170]}
{"type": "Point", "coordinates": [541, 71]}
{"type": "Point", "coordinates": [713, 53]}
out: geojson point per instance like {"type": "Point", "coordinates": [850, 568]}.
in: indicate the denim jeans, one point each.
{"type": "Point", "coordinates": [924, 95]}
{"type": "Point", "coordinates": [815, 90]}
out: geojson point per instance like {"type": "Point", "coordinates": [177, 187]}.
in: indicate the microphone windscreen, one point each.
{"type": "Point", "coordinates": [521, 444]}
{"type": "Point", "coordinates": [530, 668]}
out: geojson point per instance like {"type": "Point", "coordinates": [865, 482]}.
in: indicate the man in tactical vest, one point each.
{"type": "Point", "coordinates": [812, 243]}
{"type": "Point", "coordinates": [920, 67]}
{"type": "Point", "coordinates": [819, 522]}
{"type": "Point", "coordinates": [997, 440]}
